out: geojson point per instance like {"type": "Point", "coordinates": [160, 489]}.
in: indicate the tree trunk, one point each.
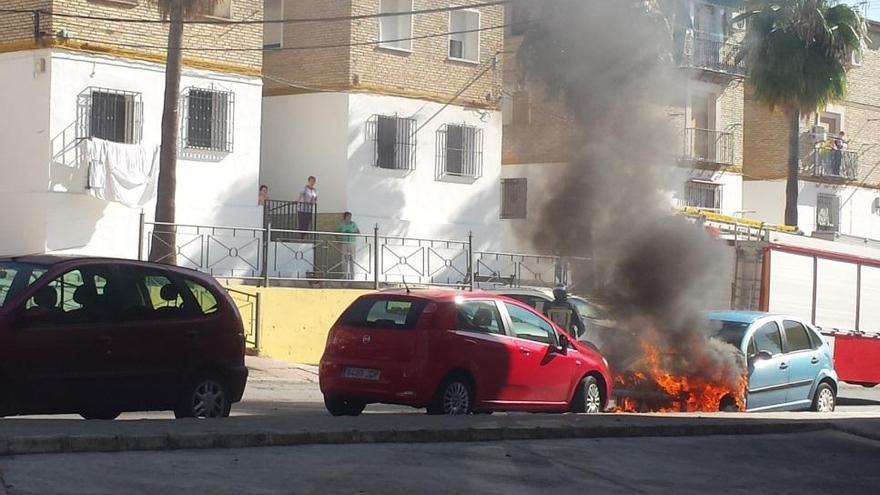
{"type": "Point", "coordinates": [791, 185]}
{"type": "Point", "coordinates": [163, 247]}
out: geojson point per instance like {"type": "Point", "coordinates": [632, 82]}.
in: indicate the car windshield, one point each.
{"type": "Point", "coordinates": [731, 332]}
{"type": "Point", "coordinates": [15, 277]}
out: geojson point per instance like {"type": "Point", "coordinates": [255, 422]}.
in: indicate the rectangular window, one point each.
{"type": "Point", "coordinates": [273, 33]}
{"type": "Point", "coordinates": [828, 213]}
{"type": "Point", "coordinates": [514, 198]}
{"type": "Point", "coordinates": [703, 195]}
{"type": "Point", "coordinates": [464, 38]}
{"type": "Point", "coordinates": [395, 142]}
{"type": "Point", "coordinates": [460, 150]}
{"type": "Point", "coordinates": [111, 115]}
{"type": "Point", "coordinates": [479, 316]}
{"type": "Point", "coordinates": [521, 108]}
{"type": "Point", "coordinates": [221, 9]}
{"type": "Point", "coordinates": [384, 313]}
{"type": "Point", "coordinates": [208, 116]}
{"type": "Point", "coordinates": [796, 336]}
{"type": "Point", "coordinates": [395, 31]}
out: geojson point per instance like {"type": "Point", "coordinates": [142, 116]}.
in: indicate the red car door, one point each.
{"type": "Point", "coordinates": [540, 374]}
{"type": "Point", "coordinates": [482, 345]}
{"type": "Point", "coordinates": [62, 338]}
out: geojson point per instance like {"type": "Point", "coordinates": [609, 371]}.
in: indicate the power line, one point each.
{"type": "Point", "coordinates": [264, 21]}
{"type": "Point", "coordinates": [295, 48]}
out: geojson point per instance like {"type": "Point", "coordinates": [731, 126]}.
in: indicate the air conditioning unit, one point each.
{"type": "Point", "coordinates": [875, 206]}
{"type": "Point", "coordinates": [819, 133]}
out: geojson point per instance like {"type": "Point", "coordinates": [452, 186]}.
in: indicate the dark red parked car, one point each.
{"type": "Point", "coordinates": [455, 353]}
{"type": "Point", "coordinates": [101, 336]}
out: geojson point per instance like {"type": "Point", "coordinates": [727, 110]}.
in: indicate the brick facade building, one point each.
{"type": "Point", "coordinates": [839, 190]}
{"type": "Point", "coordinates": [75, 71]}
{"type": "Point", "coordinates": [395, 110]}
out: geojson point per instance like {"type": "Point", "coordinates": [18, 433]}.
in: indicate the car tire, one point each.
{"type": "Point", "coordinates": [454, 397]}
{"type": "Point", "coordinates": [338, 406]}
{"type": "Point", "coordinates": [588, 397]}
{"type": "Point", "coordinates": [824, 400]}
{"type": "Point", "coordinates": [105, 414]}
{"type": "Point", "coordinates": [206, 396]}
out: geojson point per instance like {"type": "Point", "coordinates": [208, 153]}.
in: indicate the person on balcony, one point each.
{"type": "Point", "coordinates": [307, 200]}
{"type": "Point", "coordinates": [838, 145]}
{"type": "Point", "coordinates": [263, 195]}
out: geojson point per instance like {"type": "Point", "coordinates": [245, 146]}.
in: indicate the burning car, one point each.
{"type": "Point", "coordinates": [786, 365]}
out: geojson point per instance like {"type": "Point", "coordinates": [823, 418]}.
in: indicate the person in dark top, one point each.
{"type": "Point", "coordinates": [562, 312]}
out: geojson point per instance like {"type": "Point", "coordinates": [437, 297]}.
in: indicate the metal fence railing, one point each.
{"type": "Point", "coordinates": [712, 52]}
{"type": "Point", "coordinates": [708, 145]}
{"type": "Point", "coordinates": [249, 307]}
{"type": "Point", "coordinates": [842, 164]}
{"type": "Point", "coordinates": [270, 255]}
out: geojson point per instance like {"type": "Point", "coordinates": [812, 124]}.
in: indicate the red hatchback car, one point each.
{"type": "Point", "coordinates": [100, 336]}
{"type": "Point", "coordinates": [456, 353]}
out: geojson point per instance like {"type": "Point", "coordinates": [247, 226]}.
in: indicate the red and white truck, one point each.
{"type": "Point", "coordinates": [833, 284]}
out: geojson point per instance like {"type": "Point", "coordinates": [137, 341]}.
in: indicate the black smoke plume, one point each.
{"type": "Point", "coordinates": [612, 63]}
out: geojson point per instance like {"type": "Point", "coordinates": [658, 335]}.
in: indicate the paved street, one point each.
{"type": "Point", "coordinates": [820, 462]}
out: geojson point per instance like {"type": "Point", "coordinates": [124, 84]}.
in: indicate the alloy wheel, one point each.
{"type": "Point", "coordinates": [592, 399]}
{"type": "Point", "coordinates": [208, 400]}
{"type": "Point", "coordinates": [456, 399]}
{"type": "Point", "coordinates": [825, 403]}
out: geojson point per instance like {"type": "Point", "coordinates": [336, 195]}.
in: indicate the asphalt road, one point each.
{"type": "Point", "coordinates": [817, 463]}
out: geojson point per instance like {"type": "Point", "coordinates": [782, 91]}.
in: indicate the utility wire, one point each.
{"type": "Point", "coordinates": [295, 48]}
{"type": "Point", "coordinates": [264, 21]}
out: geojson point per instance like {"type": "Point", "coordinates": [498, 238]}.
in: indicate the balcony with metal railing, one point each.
{"type": "Point", "coordinates": [836, 164]}
{"type": "Point", "coordinates": [708, 145]}
{"type": "Point", "coordinates": [713, 53]}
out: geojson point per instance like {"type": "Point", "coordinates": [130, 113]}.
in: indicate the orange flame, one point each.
{"type": "Point", "coordinates": [689, 394]}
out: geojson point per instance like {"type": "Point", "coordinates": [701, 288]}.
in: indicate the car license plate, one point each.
{"type": "Point", "coordinates": [360, 373]}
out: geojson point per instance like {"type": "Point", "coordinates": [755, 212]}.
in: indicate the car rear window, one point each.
{"type": "Point", "coordinates": [384, 313]}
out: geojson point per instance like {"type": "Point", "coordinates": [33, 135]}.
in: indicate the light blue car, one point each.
{"type": "Point", "coordinates": [790, 363]}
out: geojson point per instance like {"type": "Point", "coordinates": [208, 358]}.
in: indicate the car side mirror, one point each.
{"type": "Point", "coordinates": [564, 344]}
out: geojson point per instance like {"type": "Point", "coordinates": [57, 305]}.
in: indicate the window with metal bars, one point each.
{"type": "Point", "coordinates": [704, 195]}
{"type": "Point", "coordinates": [460, 151]}
{"type": "Point", "coordinates": [828, 213]}
{"type": "Point", "coordinates": [514, 198]}
{"type": "Point", "coordinates": [394, 140]}
{"type": "Point", "coordinates": [207, 119]}
{"type": "Point", "coordinates": [110, 114]}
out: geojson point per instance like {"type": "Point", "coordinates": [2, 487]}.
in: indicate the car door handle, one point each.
{"type": "Point", "coordinates": [103, 339]}
{"type": "Point", "coordinates": [525, 351]}
{"type": "Point", "coordinates": [190, 335]}
{"type": "Point", "coordinates": [470, 342]}
{"type": "Point", "coordinates": [783, 366]}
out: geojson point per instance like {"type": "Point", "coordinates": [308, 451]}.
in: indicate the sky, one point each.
{"type": "Point", "coordinates": [873, 8]}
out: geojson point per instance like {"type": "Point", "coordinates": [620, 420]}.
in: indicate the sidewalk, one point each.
{"type": "Point", "coordinates": [29, 436]}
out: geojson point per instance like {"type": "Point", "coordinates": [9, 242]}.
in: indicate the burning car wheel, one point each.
{"type": "Point", "coordinates": [588, 398]}
{"type": "Point", "coordinates": [824, 401]}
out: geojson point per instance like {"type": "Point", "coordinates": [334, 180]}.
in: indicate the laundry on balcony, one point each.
{"type": "Point", "coordinates": [123, 173]}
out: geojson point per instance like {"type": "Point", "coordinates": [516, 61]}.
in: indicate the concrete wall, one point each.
{"type": "Point", "coordinates": [295, 322]}
{"type": "Point", "coordinates": [24, 130]}
{"type": "Point", "coordinates": [326, 135]}
{"type": "Point", "coordinates": [46, 178]}
{"type": "Point", "coordinates": [857, 217]}
{"type": "Point", "coordinates": [417, 203]}
{"type": "Point", "coordinates": [306, 135]}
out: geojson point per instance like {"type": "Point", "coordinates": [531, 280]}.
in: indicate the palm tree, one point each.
{"type": "Point", "coordinates": [164, 242]}
{"type": "Point", "coordinates": [797, 53]}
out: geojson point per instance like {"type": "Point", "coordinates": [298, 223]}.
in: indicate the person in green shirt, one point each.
{"type": "Point", "coordinates": [348, 244]}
